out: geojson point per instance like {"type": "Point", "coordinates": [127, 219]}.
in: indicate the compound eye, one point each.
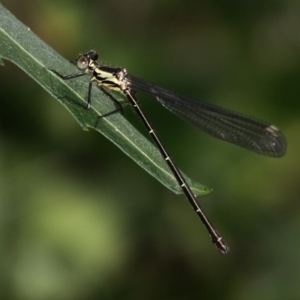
{"type": "Point", "coordinates": [82, 62]}
{"type": "Point", "coordinates": [93, 55]}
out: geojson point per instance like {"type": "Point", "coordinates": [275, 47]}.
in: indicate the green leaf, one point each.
{"type": "Point", "coordinates": [19, 45]}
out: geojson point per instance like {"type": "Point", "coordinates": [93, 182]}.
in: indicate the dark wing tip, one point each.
{"type": "Point", "coordinates": [277, 143]}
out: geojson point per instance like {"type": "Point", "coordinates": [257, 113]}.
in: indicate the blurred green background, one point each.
{"type": "Point", "coordinates": [79, 220]}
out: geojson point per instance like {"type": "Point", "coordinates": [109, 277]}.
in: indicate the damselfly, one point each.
{"type": "Point", "coordinates": [244, 131]}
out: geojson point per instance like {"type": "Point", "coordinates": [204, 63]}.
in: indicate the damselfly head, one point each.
{"type": "Point", "coordinates": [84, 59]}
{"type": "Point", "coordinates": [92, 54]}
